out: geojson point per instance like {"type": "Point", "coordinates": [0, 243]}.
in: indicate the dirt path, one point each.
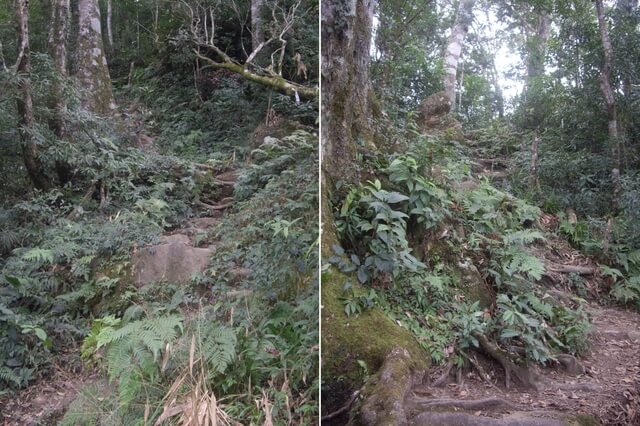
{"type": "Point", "coordinates": [604, 384]}
{"type": "Point", "coordinates": [606, 389]}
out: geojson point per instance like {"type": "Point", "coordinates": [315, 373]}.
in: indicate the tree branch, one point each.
{"type": "Point", "coordinates": [274, 81]}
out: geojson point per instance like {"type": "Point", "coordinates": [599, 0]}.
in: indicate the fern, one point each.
{"type": "Point", "coordinates": [40, 256]}
{"type": "Point", "coordinates": [520, 262]}
{"type": "Point", "coordinates": [218, 347]}
{"type": "Point", "coordinates": [8, 375]}
{"type": "Point", "coordinates": [523, 237]}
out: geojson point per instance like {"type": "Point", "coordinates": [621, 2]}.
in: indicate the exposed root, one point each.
{"type": "Point", "coordinates": [444, 376]}
{"type": "Point", "coordinates": [483, 375]}
{"type": "Point", "coordinates": [466, 404]}
{"type": "Point", "coordinates": [525, 377]}
{"type": "Point", "coordinates": [340, 411]}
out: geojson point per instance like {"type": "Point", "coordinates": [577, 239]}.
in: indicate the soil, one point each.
{"type": "Point", "coordinates": [46, 400]}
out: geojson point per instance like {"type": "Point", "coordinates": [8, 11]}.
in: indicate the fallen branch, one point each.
{"type": "Point", "coordinates": [274, 81]}
{"type": "Point", "coordinates": [216, 207]}
{"type": "Point", "coordinates": [346, 407]}
{"type": "Point", "coordinates": [572, 269]}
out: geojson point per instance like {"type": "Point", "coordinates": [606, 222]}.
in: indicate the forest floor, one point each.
{"type": "Point", "coordinates": [603, 383]}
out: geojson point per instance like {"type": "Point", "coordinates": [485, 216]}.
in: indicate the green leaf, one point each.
{"type": "Point", "coordinates": [507, 333]}
{"type": "Point", "coordinates": [396, 197]}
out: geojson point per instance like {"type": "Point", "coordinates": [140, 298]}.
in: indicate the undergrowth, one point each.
{"type": "Point", "coordinates": [426, 245]}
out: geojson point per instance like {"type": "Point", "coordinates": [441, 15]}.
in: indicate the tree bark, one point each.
{"type": "Point", "coordinates": [93, 72]}
{"type": "Point", "coordinates": [25, 101]}
{"type": "Point", "coordinates": [257, 31]}
{"type": "Point", "coordinates": [347, 95]}
{"type": "Point", "coordinates": [58, 52]}
{"type": "Point", "coordinates": [464, 17]}
{"type": "Point", "coordinates": [610, 101]}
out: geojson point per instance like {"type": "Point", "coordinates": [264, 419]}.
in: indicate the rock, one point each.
{"type": "Point", "coordinates": [174, 260]}
{"type": "Point", "coordinates": [570, 364]}
{"type": "Point", "coordinates": [472, 285]}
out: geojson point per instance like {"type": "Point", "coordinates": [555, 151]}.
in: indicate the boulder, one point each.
{"type": "Point", "coordinates": [174, 260]}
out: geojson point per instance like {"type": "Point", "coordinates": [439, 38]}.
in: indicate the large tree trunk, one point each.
{"type": "Point", "coordinates": [93, 73]}
{"type": "Point", "coordinates": [257, 31]}
{"type": "Point", "coordinates": [25, 101]}
{"type": "Point", "coordinates": [610, 100]}
{"type": "Point", "coordinates": [58, 52]}
{"type": "Point", "coordinates": [464, 17]}
{"type": "Point", "coordinates": [347, 95]}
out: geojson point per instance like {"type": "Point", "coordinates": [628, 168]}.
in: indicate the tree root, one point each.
{"type": "Point", "coordinates": [525, 377]}
{"type": "Point", "coordinates": [342, 409]}
{"type": "Point", "coordinates": [466, 404]}
{"type": "Point", "coordinates": [483, 375]}
{"type": "Point", "coordinates": [386, 392]}
{"type": "Point", "coordinates": [444, 376]}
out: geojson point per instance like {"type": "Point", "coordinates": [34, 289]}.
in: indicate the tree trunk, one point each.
{"type": "Point", "coordinates": [610, 101]}
{"type": "Point", "coordinates": [536, 52]}
{"type": "Point", "coordinates": [25, 101]}
{"type": "Point", "coordinates": [58, 52]}
{"type": "Point", "coordinates": [347, 94]}
{"type": "Point", "coordinates": [93, 73]}
{"type": "Point", "coordinates": [257, 32]}
{"type": "Point", "coordinates": [109, 30]}
{"type": "Point", "coordinates": [464, 17]}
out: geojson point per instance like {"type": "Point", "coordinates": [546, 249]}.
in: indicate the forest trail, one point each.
{"type": "Point", "coordinates": [47, 400]}
{"type": "Point", "coordinates": [603, 383]}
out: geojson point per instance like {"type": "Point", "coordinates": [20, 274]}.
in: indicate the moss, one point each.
{"type": "Point", "coordinates": [369, 337]}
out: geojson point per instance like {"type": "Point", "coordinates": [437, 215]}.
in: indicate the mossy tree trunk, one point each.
{"type": "Point", "coordinates": [93, 72]}
{"type": "Point", "coordinates": [25, 101]}
{"type": "Point", "coordinates": [347, 115]}
{"type": "Point", "coordinates": [346, 107]}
